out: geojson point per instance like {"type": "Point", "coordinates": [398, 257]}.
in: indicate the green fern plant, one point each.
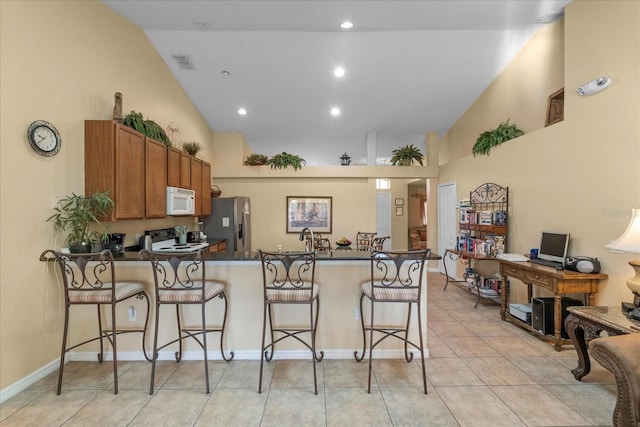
{"type": "Point", "coordinates": [404, 156]}
{"type": "Point", "coordinates": [491, 138]}
{"type": "Point", "coordinates": [283, 160]}
{"type": "Point", "coordinates": [146, 127]}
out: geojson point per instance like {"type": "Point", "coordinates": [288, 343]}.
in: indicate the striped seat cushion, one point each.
{"type": "Point", "coordinates": [211, 290]}
{"type": "Point", "coordinates": [103, 296]}
{"type": "Point", "coordinates": [292, 295]}
{"type": "Point", "coordinates": [397, 293]}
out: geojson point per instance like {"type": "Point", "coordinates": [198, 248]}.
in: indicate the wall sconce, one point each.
{"type": "Point", "coordinates": [629, 242]}
{"type": "Point", "coordinates": [345, 159]}
{"type": "Point", "coordinates": [594, 86]}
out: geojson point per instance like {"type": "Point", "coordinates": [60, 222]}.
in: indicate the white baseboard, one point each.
{"type": "Point", "coordinates": [32, 378]}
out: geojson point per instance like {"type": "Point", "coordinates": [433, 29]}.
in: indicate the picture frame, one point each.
{"type": "Point", "coordinates": [399, 202]}
{"type": "Point", "coordinates": [555, 108]}
{"type": "Point", "coordinates": [315, 212]}
{"type": "Point", "coordinates": [399, 211]}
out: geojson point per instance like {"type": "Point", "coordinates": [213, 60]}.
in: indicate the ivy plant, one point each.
{"type": "Point", "coordinates": [146, 127]}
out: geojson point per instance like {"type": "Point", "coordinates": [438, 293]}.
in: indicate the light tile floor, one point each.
{"type": "Point", "coordinates": [481, 372]}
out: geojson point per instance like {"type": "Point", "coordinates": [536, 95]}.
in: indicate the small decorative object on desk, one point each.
{"type": "Point", "coordinates": [343, 242]}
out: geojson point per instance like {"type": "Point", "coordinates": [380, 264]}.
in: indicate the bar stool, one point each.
{"type": "Point", "coordinates": [90, 279]}
{"type": "Point", "coordinates": [180, 279]}
{"type": "Point", "coordinates": [377, 244]}
{"type": "Point", "coordinates": [396, 277]}
{"type": "Point", "coordinates": [364, 240]}
{"type": "Point", "coordinates": [289, 278]}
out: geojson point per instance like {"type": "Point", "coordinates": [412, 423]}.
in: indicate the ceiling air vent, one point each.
{"type": "Point", "coordinates": [184, 62]}
{"type": "Point", "coordinates": [547, 17]}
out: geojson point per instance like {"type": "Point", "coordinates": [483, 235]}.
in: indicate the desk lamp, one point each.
{"type": "Point", "coordinates": [629, 242]}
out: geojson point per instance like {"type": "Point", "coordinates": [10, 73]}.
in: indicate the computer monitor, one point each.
{"type": "Point", "coordinates": [553, 246]}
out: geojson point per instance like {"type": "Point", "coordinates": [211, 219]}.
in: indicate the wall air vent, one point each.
{"type": "Point", "coordinates": [184, 62]}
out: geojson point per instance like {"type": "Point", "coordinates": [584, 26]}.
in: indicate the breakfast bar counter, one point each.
{"type": "Point", "coordinates": [338, 273]}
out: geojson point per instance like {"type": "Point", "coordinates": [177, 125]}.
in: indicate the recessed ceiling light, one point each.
{"type": "Point", "coordinates": [225, 73]}
{"type": "Point", "coordinates": [242, 111]}
{"type": "Point", "coordinates": [346, 25]}
{"type": "Point", "coordinates": [338, 72]}
{"type": "Point", "coordinates": [335, 111]}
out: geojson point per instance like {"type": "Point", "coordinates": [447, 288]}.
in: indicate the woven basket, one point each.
{"type": "Point", "coordinates": [215, 191]}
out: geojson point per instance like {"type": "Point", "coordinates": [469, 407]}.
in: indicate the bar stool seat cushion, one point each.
{"type": "Point", "coordinates": [293, 295]}
{"type": "Point", "coordinates": [123, 290]}
{"type": "Point", "coordinates": [390, 292]}
{"type": "Point", "coordinates": [211, 290]}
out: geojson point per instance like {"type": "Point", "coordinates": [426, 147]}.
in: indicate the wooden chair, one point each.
{"type": "Point", "coordinates": [364, 240]}
{"type": "Point", "coordinates": [396, 277]}
{"type": "Point", "coordinates": [180, 279]}
{"type": "Point", "coordinates": [289, 279]}
{"type": "Point", "coordinates": [90, 279]}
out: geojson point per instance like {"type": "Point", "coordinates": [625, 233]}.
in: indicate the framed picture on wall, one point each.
{"type": "Point", "coordinates": [314, 212]}
{"type": "Point", "coordinates": [399, 202]}
{"type": "Point", "coordinates": [555, 108]}
{"type": "Point", "coordinates": [399, 211]}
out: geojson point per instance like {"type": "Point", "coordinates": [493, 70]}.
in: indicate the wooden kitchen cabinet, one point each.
{"type": "Point", "coordinates": [114, 161]}
{"type": "Point", "coordinates": [155, 179]}
{"type": "Point", "coordinates": [173, 167]}
{"type": "Point", "coordinates": [196, 183]}
{"type": "Point", "coordinates": [206, 189]}
{"type": "Point", "coordinates": [185, 170]}
{"type": "Point", "coordinates": [218, 247]}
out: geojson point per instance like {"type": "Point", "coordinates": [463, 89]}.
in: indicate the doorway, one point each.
{"type": "Point", "coordinates": [447, 204]}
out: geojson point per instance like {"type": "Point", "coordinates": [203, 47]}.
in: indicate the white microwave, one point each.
{"type": "Point", "coordinates": [180, 201]}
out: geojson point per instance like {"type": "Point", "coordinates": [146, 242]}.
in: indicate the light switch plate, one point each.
{"type": "Point", "coordinates": [225, 221]}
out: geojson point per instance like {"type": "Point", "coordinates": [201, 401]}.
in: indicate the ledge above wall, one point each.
{"type": "Point", "coordinates": [226, 171]}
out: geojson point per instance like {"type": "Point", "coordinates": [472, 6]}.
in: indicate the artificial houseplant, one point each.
{"type": "Point", "coordinates": [405, 156]}
{"type": "Point", "coordinates": [146, 127]}
{"type": "Point", "coordinates": [76, 213]}
{"type": "Point", "coordinates": [491, 138]}
{"type": "Point", "coordinates": [256, 160]}
{"type": "Point", "coordinates": [284, 160]}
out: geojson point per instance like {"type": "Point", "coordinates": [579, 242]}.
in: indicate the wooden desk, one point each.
{"type": "Point", "coordinates": [466, 258]}
{"type": "Point", "coordinates": [586, 323]}
{"type": "Point", "coordinates": [559, 282]}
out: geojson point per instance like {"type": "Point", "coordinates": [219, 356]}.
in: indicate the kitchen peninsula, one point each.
{"type": "Point", "coordinates": [339, 274]}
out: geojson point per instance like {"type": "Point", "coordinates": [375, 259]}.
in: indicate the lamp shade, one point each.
{"type": "Point", "coordinates": [629, 242]}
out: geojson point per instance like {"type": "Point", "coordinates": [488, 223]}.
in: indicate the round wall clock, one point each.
{"type": "Point", "coordinates": [44, 138]}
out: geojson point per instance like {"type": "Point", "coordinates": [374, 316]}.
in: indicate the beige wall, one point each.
{"type": "Point", "coordinates": [62, 61]}
{"type": "Point", "coordinates": [581, 175]}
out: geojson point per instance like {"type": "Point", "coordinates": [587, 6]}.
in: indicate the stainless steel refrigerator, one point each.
{"type": "Point", "coordinates": [230, 219]}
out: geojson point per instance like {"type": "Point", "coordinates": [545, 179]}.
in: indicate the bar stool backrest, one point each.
{"type": "Point", "coordinates": [285, 273]}
{"type": "Point", "coordinates": [86, 272]}
{"type": "Point", "coordinates": [177, 272]}
{"type": "Point", "coordinates": [397, 275]}
{"type": "Point", "coordinates": [364, 240]}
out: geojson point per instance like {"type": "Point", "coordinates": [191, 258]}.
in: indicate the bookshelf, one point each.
{"type": "Point", "coordinates": [483, 220]}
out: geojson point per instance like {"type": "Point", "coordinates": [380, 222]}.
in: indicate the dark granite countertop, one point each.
{"type": "Point", "coordinates": [336, 255]}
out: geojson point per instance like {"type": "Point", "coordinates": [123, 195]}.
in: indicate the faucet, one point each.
{"type": "Point", "coordinates": [303, 233]}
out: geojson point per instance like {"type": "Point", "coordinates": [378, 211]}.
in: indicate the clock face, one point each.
{"type": "Point", "coordinates": [44, 138]}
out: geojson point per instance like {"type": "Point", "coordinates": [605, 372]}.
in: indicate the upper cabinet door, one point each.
{"type": "Point", "coordinates": [206, 189]}
{"type": "Point", "coordinates": [114, 161]}
{"type": "Point", "coordinates": [196, 183]}
{"type": "Point", "coordinates": [156, 179]}
{"type": "Point", "coordinates": [173, 167]}
{"type": "Point", "coordinates": [185, 170]}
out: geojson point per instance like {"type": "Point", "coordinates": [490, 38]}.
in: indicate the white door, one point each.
{"type": "Point", "coordinates": [447, 223]}
{"type": "Point", "coordinates": [383, 217]}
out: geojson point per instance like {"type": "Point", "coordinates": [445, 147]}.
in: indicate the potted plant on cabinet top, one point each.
{"type": "Point", "coordinates": [256, 160]}
{"type": "Point", "coordinates": [283, 160]}
{"type": "Point", "coordinates": [75, 214]}
{"type": "Point", "coordinates": [405, 156]}
{"type": "Point", "coordinates": [491, 138]}
{"type": "Point", "coordinates": [146, 127]}
{"type": "Point", "coordinates": [191, 148]}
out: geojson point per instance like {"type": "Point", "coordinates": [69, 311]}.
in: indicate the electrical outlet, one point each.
{"type": "Point", "coordinates": [357, 314]}
{"type": "Point", "coordinates": [132, 313]}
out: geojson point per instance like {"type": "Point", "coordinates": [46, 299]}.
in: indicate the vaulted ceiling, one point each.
{"type": "Point", "coordinates": [409, 66]}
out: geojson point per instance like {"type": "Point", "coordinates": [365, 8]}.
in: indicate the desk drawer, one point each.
{"type": "Point", "coordinates": [538, 278]}
{"type": "Point", "coordinates": [513, 271]}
